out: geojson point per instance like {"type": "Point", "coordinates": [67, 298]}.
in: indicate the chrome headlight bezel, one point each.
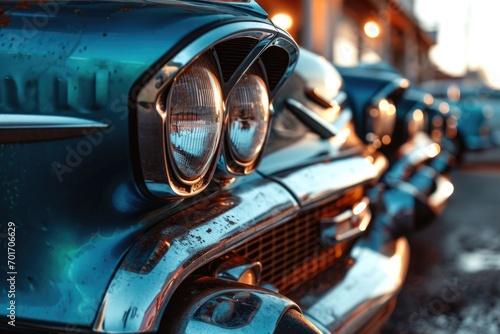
{"type": "Point", "coordinates": [156, 172]}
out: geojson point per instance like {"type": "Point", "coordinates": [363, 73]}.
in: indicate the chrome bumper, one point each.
{"type": "Point", "coordinates": [416, 187]}
{"type": "Point", "coordinates": [367, 289]}
{"type": "Point", "coordinates": [168, 254]}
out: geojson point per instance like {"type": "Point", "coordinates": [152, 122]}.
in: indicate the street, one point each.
{"type": "Point", "coordinates": [453, 283]}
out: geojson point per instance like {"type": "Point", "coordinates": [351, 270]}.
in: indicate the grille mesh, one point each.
{"type": "Point", "coordinates": [291, 253]}
{"type": "Point", "coordinates": [276, 62]}
{"type": "Point", "coordinates": [232, 53]}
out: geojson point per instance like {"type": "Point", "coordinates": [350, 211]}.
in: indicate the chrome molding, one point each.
{"type": "Point", "coordinates": [347, 225]}
{"type": "Point", "coordinates": [321, 181]}
{"type": "Point", "coordinates": [236, 268]}
{"type": "Point", "coordinates": [312, 120]}
{"type": "Point", "coordinates": [166, 255]}
{"type": "Point", "coordinates": [16, 128]}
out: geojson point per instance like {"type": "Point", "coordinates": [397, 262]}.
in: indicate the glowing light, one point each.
{"type": "Point", "coordinates": [444, 107]}
{"type": "Point", "coordinates": [282, 20]}
{"type": "Point", "coordinates": [444, 190]}
{"type": "Point", "coordinates": [405, 83]}
{"type": "Point", "coordinates": [383, 105]}
{"type": "Point", "coordinates": [386, 140]}
{"type": "Point", "coordinates": [364, 225]}
{"type": "Point", "coordinates": [453, 93]}
{"type": "Point", "coordinates": [372, 29]}
{"type": "Point", "coordinates": [391, 110]}
{"type": "Point", "coordinates": [418, 115]}
{"type": "Point", "coordinates": [359, 208]}
{"type": "Point", "coordinates": [433, 150]}
{"type": "Point", "coordinates": [428, 99]}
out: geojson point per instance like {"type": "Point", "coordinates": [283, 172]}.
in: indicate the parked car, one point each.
{"type": "Point", "coordinates": [153, 179]}
{"type": "Point", "coordinates": [472, 106]}
{"type": "Point", "coordinates": [417, 178]}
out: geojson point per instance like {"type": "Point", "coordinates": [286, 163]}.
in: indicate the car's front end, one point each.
{"type": "Point", "coordinates": [166, 172]}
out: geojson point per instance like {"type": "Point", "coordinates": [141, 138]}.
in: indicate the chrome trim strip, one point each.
{"type": "Point", "coordinates": [166, 255]}
{"type": "Point", "coordinates": [323, 180]}
{"type": "Point", "coordinates": [312, 120]}
{"type": "Point", "coordinates": [27, 128]}
{"type": "Point", "coordinates": [347, 225]}
{"type": "Point", "coordinates": [374, 280]}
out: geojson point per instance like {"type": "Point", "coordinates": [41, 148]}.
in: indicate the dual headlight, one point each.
{"type": "Point", "coordinates": [380, 123]}
{"type": "Point", "coordinates": [195, 117]}
{"type": "Point", "coordinates": [204, 113]}
{"type": "Point", "coordinates": [206, 125]}
{"type": "Point", "coordinates": [416, 121]}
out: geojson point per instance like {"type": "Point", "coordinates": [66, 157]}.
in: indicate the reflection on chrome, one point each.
{"type": "Point", "coordinates": [149, 274]}
{"type": "Point", "coordinates": [368, 288]}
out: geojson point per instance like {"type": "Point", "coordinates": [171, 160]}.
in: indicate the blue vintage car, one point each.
{"type": "Point", "coordinates": [163, 169]}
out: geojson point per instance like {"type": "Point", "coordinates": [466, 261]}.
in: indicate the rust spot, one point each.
{"type": "Point", "coordinates": [78, 11]}
{"type": "Point", "coordinates": [125, 9]}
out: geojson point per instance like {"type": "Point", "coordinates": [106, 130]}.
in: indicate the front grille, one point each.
{"type": "Point", "coordinates": [232, 53]}
{"type": "Point", "coordinates": [291, 253]}
{"type": "Point", "coordinates": [276, 61]}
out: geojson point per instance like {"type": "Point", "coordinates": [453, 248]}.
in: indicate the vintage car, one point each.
{"type": "Point", "coordinates": [471, 106]}
{"type": "Point", "coordinates": [417, 177]}
{"type": "Point", "coordinates": [163, 170]}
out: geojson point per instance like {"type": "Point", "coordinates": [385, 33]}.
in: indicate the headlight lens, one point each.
{"type": "Point", "coordinates": [381, 122]}
{"type": "Point", "coordinates": [248, 107]}
{"type": "Point", "coordinates": [194, 119]}
{"type": "Point", "coordinates": [415, 122]}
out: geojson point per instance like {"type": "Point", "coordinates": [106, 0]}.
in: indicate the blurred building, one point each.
{"type": "Point", "coordinates": [350, 31]}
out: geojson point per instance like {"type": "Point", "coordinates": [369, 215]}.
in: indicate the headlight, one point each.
{"type": "Point", "coordinates": [183, 136]}
{"type": "Point", "coordinates": [381, 122]}
{"type": "Point", "coordinates": [248, 109]}
{"type": "Point", "coordinates": [416, 122]}
{"type": "Point", "coordinates": [194, 119]}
